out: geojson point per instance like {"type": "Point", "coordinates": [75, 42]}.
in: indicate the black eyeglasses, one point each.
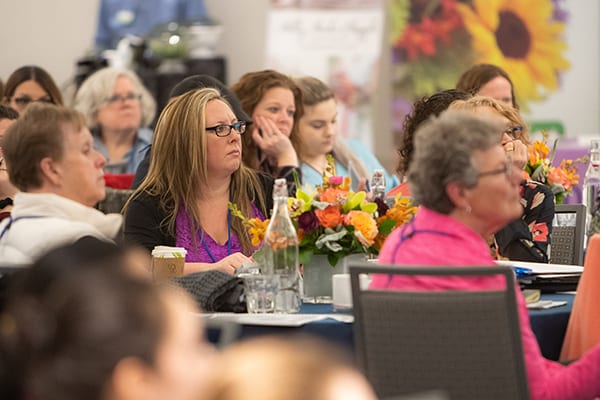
{"type": "Point", "coordinates": [507, 169]}
{"type": "Point", "coordinates": [225, 130]}
{"type": "Point", "coordinates": [25, 100]}
{"type": "Point", "coordinates": [116, 98]}
{"type": "Point", "coordinates": [514, 131]}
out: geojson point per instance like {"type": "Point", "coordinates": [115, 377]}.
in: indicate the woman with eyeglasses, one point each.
{"type": "Point", "coordinates": [29, 84]}
{"type": "Point", "coordinates": [468, 189]}
{"type": "Point", "coordinates": [118, 109]}
{"type": "Point", "coordinates": [525, 238]}
{"type": "Point", "coordinates": [195, 170]}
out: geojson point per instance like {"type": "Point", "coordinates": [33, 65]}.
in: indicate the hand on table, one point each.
{"type": "Point", "coordinates": [228, 264]}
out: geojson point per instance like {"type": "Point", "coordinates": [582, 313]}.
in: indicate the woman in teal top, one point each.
{"type": "Point", "coordinates": [317, 137]}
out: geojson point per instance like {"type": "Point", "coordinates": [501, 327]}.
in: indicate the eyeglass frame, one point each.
{"type": "Point", "coordinates": [514, 131]}
{"type": "Point", "coordinates": [507, 170]}
{"type": "Point", "coordinates": [25, 100]}
{"type": "Point", "coordinates": [119, 98]}
{"type": "Point", "coordinates": [239, 127]}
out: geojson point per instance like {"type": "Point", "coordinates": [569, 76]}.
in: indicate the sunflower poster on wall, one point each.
{"type": "Point", "coordinates": [434, 41]}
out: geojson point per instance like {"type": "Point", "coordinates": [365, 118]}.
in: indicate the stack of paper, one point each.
{"type": "Point", "coordinates": [546, 277]}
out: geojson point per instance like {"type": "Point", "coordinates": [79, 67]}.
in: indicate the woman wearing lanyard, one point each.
{"type": "Point", "coordinates": [195, 170]}
{"type": "Point", "coordinates": [60, 178]}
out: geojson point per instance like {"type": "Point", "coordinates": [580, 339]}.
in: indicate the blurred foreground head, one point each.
{"type": "Point", "coordinates": [79, 324]}
{"type": "Point", "coordinates": [302, 368]}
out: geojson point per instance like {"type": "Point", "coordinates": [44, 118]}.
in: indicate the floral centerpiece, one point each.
{"type": "Point", "coordinates": [335, 221]}
{"type": "Point", "coordinates": [560, 179]}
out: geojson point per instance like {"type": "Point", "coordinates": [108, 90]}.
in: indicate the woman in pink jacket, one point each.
{"type": "Point", "coordinates": [468, 190]}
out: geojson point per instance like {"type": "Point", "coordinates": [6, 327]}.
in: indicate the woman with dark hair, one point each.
{"type": "Point", "coordinates": [422, 110]}
{"type": "Point", "coordinates": [274, 102]}
{"type": "Point", "coordinates": [79, 324]}
{"type": "Point", "coordinates": [488, 80]}
{"type": "Point", "coordinates": [28, 84]}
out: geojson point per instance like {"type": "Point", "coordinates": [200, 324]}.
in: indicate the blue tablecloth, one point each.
{"type": "Point", "coordinates": [549, 326]}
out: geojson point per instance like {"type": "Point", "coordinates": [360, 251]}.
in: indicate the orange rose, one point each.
{"type": "Point", "coordinates": [558, 176]}
{"type": "Point", "coordinates": [333, 196]}
{"type": "Point", "coordinates": [330, 217]}
{"type": "Point", "coordinates": [364, 224]}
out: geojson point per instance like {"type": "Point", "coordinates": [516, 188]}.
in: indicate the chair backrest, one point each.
{"type": "Point", "coordinates": [568, 234]}
{"type": "Point", "coordinates": [465, 343]}
{"type": "Point", "coordinates": [114, 201]}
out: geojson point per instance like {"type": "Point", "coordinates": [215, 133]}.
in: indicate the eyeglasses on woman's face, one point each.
{"type": "Point", "coordinates": [514, 132]}
{"type": "Point", "coordinates": [24, 100]}
{"type": "Point", "coordinates": [507, 169]}
{"type": "Point", "coordinates": [225, 130]}
{"type": "Point", "coordinates": [118, 98]}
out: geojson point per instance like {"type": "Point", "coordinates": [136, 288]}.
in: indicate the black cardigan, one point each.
{"type": "Point", "coordinates": [145, 220]}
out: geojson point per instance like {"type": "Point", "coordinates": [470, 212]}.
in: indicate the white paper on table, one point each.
{"type": "Point", "coordinates": [545, 304]}
{"type": "Point", "coordinates": [545, 269]}
{"type": "Point", "coordinates": [291, 320]}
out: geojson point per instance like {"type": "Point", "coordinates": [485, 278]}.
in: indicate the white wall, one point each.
{"type": "Point", "coordinates": [577, 102]}
{"type": "Point", "coordinates": [52, 34]}
{"type": "Point", "coordinates": [55, 33]}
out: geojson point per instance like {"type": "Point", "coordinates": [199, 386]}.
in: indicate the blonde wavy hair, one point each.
{"type": "Point", "coordinates": [510, 113]}
{"type": "Point", "coordinates": [178, 170]}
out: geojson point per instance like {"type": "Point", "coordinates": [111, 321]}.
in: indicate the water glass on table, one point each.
{"type": "Point", "coordinates": [260, 289]}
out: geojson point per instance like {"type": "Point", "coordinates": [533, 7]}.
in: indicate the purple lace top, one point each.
{"type": "Point", "coordinates": [184, 238]}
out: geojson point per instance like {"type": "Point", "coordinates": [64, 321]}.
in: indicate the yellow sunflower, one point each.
{"type": "Point", "coordinates": [520, 37]}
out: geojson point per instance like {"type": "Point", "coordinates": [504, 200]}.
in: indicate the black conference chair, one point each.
{"type": "Point", "coordinates": [466, 344]}
{"type": "Point", "coordinates": [568, 234]}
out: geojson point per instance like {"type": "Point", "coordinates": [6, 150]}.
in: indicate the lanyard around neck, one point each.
{"type": "Point", "coordinates": [12, 220]}
{"type": "Point", "coordinates": [210, 254]}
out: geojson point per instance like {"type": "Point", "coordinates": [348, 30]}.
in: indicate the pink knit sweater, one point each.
{"type": "Point", "coordinates": [441, 240]}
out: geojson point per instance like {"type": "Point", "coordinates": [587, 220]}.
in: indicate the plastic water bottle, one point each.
{"type": "Point", "coordinates": [281, 252]}
{"type": "Point", "coordinates": [591, 190]}
{"type": "Point", "coordinates": [378, 184]}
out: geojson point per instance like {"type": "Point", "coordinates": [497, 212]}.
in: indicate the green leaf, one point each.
{"type": "Point", "coordinates": [354, 200]}
{"type": "Point", "coordinates": [259, 256]}
{"type": "Point", "coordinates": [369, 207]}
{"type": "Point", "coordinates": [305, 255]}
{"type": "Point", "coordinates": [386, 226]}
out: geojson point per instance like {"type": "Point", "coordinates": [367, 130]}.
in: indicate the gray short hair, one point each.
{"type": "Point", "coordinates": [443, 154]}
{"type": "Point", "coordinates": [99, 86]}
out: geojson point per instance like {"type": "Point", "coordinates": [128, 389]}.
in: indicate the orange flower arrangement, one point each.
{"type": "Point", "coordinates": [337, 222]}
{"type": "Point", "coordinates": [560, 179]}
